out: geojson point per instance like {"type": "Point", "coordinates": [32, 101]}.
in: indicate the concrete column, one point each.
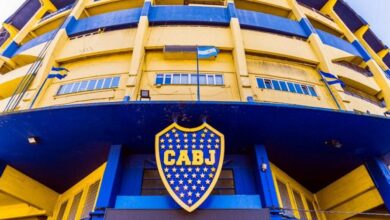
{"type": "Point", "coordinates": [137, 59]}
{"type": "Point", "coordinates": [318, 47]}
{"type": "Point", "coordinates": [243, 81]}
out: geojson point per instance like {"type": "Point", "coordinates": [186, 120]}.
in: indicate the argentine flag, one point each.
{"type": "Point", "coordinates": [58, 72]}
{"type": "Point", "coordinates": [332, 79]}
{"type": "Point", "coordinates": [205, 52]}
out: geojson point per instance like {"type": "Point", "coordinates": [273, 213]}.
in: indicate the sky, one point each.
{"type": "Point", "coordinates": [375, 12]}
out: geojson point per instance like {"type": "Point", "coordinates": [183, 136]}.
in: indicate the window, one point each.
{"type": "Point", "coordinates": [152, 184]}
{"type": "Point", "coordinates": [283, 86]}
{"type": "Point", "coordinates": [298, 200]}
{"type": "Point", "coordinates": [268, 84]}
{"type": "Point", "coordinates": [90, 200]}
{"type": "Point", "coordinates": [305, 89]}
{"type": "Point", "coordinates": [219, 80]}
{"type": "Point", "coordinates": [168, 79]}
{"type": "Point", "coordinates": [184, 79]}
{"type": "Point", "coordinates": [176, 79]}
{"type": "Point", "coordinates": [189, 79]}
{"type": "Point", "coordinates": [159, 79]}
{"type": "Point", "coordinates": [260, 83]}
{"type": "Point", "coordinates": [61, 212]}
{"type": "Point", "coordinates": [286, 86]}
{"type": "Point", "coordinates": [310, 205]}
{"type": "Point", "coordinates": [291, 87]}
{"type": "Point", "coordinates": [312, 91]}
{"type": "Point", "coordinates": [89, 85]}
{"type": "Point", "coordinates": [275, 84]}
{"type": "Point", "coordinates": [210, 80]}
{"type": "Point", "coordinates": [286, 202]}
{"type": "Point", "coordinates": [75, 205]}
{"type": "Point", "coordinates": [298, 88]}
{"type": "Point", "coordinates": [83, 86]}
{"type": "Point", "coordinates": [92, 84]}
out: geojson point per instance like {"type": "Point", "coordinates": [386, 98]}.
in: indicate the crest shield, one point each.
{"type": "Point", "coordinates": [189, 161]}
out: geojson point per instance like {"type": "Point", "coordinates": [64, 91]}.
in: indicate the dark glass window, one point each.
{"type": "Point", "coordinates": [311, 207]}
{"type": "Point", "coordinates": [305, 90]}
{"type": "Point", "coordinates": [286, 201]}
{"type": "Point", "coordinates": [298, 200]}
{"type": "Point", "coordinates": [268, 84]}
{"type": "Point", "coordinates": [152, 184]}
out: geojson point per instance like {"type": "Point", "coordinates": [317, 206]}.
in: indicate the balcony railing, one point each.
{"type": "Point", "coordinates": [360, 95]}
{"type": "Point", "coordinates": [356, 68]}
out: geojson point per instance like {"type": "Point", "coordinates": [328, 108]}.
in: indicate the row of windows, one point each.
{"type": "Point", "coordinates": [280, 85]}
{"type": "Point", "coordinates": [153, 185]}
{"type": "Point", "coordinates": [89, 203]}
{"type": "Point", "coordinates": [89, 85]}
{"type": "Point", "coordinates": [189, 79]}
{"type": "Point", "coordinates": [287, 202]}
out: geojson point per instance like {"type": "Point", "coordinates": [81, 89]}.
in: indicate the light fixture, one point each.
{"type": "Point", "coordinates": [264, 167]}
{"type": "Point", "coordinates": [145, 94]}
{"type": "Point", "coordinates": [32, 140]}
{"type": "Point", "coordinates": [334, 143]}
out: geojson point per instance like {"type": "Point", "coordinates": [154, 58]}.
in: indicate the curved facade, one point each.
{"type": "Point", "coordinates": [306, 81]}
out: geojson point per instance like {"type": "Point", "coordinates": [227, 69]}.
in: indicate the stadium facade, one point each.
{"type": "Point", "coordinates": [292, 109]}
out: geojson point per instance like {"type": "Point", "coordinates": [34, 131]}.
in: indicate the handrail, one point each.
{"type": "Point", "coordinates": [23, 86]}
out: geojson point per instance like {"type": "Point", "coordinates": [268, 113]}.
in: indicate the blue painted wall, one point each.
{"type": "Point", "coordinates": [334, 41]}
{"type": "Point", "coordinates": [189, 15]}
{"type": "Point", "coordinates": [113, 20]}
{"type": "Point", "coordinates": [271, 23]}
{"type": "Point", "coordinates": [36, 41]}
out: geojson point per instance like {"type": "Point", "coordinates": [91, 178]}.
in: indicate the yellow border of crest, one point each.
{"type": "Point", "coordinates": [217, 173]}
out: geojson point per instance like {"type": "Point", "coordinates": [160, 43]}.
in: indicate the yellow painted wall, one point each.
{"type": "Point", "coordinates": [293, 186]}
{"type": "Point", "coordinates": [267, 68]}
{"type": "Point", "coordinates": [278, 45]}
{"type": "Point", "coordinates": [355, 192]}
{"type": "Point", "coordinates": [98, 44]}
{"type": "Point", "coordinates": [320, 18]}
{"type": "Point", "coordinates": [90, 68]}
{"type": "Point", "coordinates": [188, 35]}
{"type": "Point", "coordinates": [83, 187]}
{"type": "Point", "coordinates": [155, 63]}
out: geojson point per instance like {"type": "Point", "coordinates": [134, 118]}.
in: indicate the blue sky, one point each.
{"type": "Point", "coordinates": [375, 12]}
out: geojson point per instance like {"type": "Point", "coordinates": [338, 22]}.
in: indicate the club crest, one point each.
{"type": "Point", "coordinates": [189, 161]}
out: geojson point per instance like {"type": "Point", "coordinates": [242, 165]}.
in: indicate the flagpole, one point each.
{"type": "Point", "coordinates": [197, 73]}
{"type": "Point", "coordinates": [39, 91]}
{"type": "Point", "coordinates": [330, 91]}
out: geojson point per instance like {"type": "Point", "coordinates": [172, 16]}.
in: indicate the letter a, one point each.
{"type": "Point", "coordinates": [183, 157]}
